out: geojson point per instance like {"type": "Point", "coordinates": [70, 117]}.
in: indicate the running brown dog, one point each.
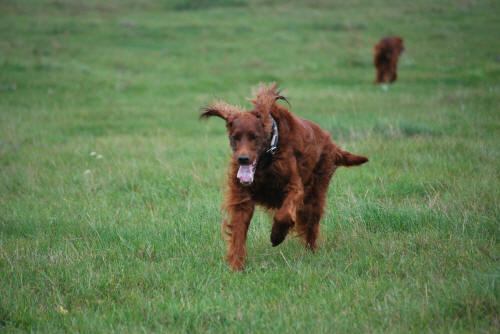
{"type": "Point", "coordinates": [387, 52]}
{"type": "Point", "coordinates": [280, 162]}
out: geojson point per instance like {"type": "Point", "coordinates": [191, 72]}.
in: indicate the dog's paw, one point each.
{"type": "Point", "coordinates": [278, 233]}
{"type": "Point", "coordinates": [237, 265]}
{"type": "Point", "coordinates": [277, 239]}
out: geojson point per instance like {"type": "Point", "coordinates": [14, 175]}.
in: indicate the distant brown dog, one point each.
{"type": "Point", "coordinates": [386, 57]}
{"type": "Point", "coordinates": [281, 162]}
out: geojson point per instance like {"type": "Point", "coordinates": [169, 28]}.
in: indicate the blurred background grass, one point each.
{"type": "Point", "coordinates": [131, 241]}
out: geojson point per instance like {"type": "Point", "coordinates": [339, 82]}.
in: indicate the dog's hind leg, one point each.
{"type": "Point", "coordinates": [309, 215]}
{"type": "Point", "coordinates": [393, 70]}
{"type": "Point", "coordinates": [308, 218]}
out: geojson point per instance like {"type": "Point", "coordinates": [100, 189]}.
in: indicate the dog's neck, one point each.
{"type": "Point", "coordinates": [267, 157]}
{"type": "Point", "coordinates": [274, 138]}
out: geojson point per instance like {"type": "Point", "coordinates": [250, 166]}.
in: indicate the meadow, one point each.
{"type": "Point", "coordinates": [111, 188]}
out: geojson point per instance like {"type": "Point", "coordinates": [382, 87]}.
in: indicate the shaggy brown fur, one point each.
{"type": "Point", "coordinates": [387, 53]}
{"type": "Point", "coordinates": [293, 182]}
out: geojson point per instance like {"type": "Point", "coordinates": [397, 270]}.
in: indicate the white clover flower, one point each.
{"type": "Point", "coordinates": [99, 156]}
{"type": "Point", "coordinates": [87, 172]}
{"type": "Point", "coordinates": [384, 87]}
{"type": "Point", "coordinates": [92, 154]}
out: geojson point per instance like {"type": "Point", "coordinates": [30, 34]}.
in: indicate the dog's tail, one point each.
{"type": "Point", "coordinates": [348, 159]}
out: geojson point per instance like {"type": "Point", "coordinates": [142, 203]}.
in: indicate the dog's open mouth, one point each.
{"type": "Point", "coordinates": [246, 173]}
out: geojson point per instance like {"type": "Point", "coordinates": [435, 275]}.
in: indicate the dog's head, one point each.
{"type": "Point", "coordinates": [389, 45]}
{"type": "Point", "coordinates": [249, 131]}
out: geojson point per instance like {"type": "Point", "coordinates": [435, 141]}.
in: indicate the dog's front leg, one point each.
{"type": "Point", "coordinates": [285, 217]}
{"type": "Point", "coordinates": [241, 215]}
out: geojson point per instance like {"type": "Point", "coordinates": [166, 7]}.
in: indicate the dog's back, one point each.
{"type": "Point", "coordinates": [300, 140]}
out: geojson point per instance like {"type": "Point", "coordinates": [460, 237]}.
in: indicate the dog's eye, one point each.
{"type": "Point", "coordinates": [254, 137]}
{"type": "Point", "coordinates": [234, 138]}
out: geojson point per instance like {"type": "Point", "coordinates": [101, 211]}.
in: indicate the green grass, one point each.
{"type": "Point", "coordinates": [409, 241]}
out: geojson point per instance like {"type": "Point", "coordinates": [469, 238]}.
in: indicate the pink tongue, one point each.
{"type": "Point", "coordinates": [245, 174]}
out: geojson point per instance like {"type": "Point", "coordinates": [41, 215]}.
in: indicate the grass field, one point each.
{"type": "Point", "coordinates": [127, 240]}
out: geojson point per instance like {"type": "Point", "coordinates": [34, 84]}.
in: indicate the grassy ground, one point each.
{"type": "Point", "coordinates": [128, 239]}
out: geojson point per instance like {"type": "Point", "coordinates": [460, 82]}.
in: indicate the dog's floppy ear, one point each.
{"type": "Point", "coordinates": [266, 97]}
{"type": "Point", "coordinates": [220, 109]}
{"type": "Point", "coordinates": [347, 159]}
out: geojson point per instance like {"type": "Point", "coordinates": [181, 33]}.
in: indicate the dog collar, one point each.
{"type": "Point", "coordinates": [274, 138]}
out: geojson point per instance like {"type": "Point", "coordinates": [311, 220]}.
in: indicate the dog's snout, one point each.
{"type": "Point", "coordinates": [244, 160]}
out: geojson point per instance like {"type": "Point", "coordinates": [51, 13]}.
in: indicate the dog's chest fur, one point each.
{"type": "Point", "coordinates": [267, 189]}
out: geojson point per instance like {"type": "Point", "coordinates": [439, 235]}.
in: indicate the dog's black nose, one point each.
{"type": "Point", "coordinates": [244, 160]}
